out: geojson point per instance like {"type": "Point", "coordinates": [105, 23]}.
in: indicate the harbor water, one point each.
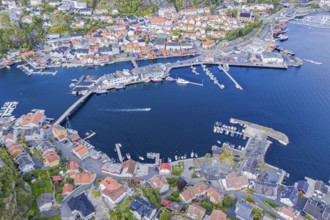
{"type": "Point", "coordinates": [175, 119]}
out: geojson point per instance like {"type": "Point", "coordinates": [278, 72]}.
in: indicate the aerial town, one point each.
{"type": "Point", "coordinates": [50, 171]}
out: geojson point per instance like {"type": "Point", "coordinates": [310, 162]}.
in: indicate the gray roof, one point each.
{"type": "Point", "coordinates": [317, 209]}
{"type": "Point", "coordinates": [266, 189]}
{"type": "Point", "coordinates": [44, 199]}
{"type": "Point", "coordinates": [251, 166]}
{"type": "Point", "coordinates": [320, 186]}
{"type": "Point", "coordinates": [267, 54]}
{"type": "Point", "coordinates": [82, 204]}
{"type": "Point", "coordinates": [142, 207]}
{"type": "Point", "coordinates": [244, 210]}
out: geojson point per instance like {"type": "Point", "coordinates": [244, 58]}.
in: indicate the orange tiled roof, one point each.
{"type": "Point", "coordinates": [81, 150]}
{"type": "Point", "coordinates": [67, 188]}
{"type": "Point", "coordinates": [84, 178]}
{"type": "Point", "coordinates": [110, 183]}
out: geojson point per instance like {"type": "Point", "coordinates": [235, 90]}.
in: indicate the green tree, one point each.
{"type": "Point", "coordinates": [165, 215]}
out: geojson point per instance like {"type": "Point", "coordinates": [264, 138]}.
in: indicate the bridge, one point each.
{"type": "Point", "coordinates": [134, 63]}
{"type": "Point", "coordinates": [74, 106]}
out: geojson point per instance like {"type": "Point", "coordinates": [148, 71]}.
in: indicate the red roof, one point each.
{"type": "Point", "coordinates": [56, 178]}
{"type": "Point", "coordinates": [165, 166]}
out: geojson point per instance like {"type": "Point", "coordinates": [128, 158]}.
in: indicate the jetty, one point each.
{"type": "Point", "coordinates": [155, 156]}
{"type": "Point", "coordinates": [90, 135]}
{"type": "Point", "coordinates": [253, 130]}
{"type": "Point", "coordinates": [120, 157]}
{"type": "Point", "coordinates": [238, 86]}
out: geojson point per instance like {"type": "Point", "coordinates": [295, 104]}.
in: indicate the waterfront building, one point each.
{"type": "Point", "coordinates": [81, 207]}
{"type": "Point", "coordinates": [159, 183]}
{"type": "Point", "coordinates": [193, 192]}
{"type": "Point", "coordinates": [289, 196]}
{"type": "Point", "coordinates": [142, 209]}
{"type": "Point", "coordinates": [59, 132]}
{"type": "Point", "coordinates": [112, 191]}
{"type": "Point", "coordinates": [235, 181]}
{"type": "Point", "coordinates": [31, 120]}
{"type": "Point", "coordinates": [195, 212]}
{"type": "Point", "coordinates": [129, 168]}
{"type": "Point", "coordinates": [45, 202]}
{"type": "Point", "coordinates": [214, 195]}
{"type": "Point", "coordinates": [302, 186]}
{"type": "Point", "coordinates": [271, 57]}
{"type": "Point", "coordinates": [81, 151]}
{"type": "Point", "coordinates": [84, 178]}
{"type": "Point", "coordinates": [165, 169]}
{"type": "Point", "coordinates": [320, 189]}
{"type": "Point", "coordinates": [218, 215]}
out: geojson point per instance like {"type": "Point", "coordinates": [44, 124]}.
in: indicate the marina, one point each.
{"type": "Point", "coordinates": [31, 72]}
{"type": "Point", "coordinates": [220, 128]}
{"type": "Point", "coordinates": [7, 109]}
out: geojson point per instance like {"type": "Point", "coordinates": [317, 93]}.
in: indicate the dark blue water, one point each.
{"type": "Point", "coordinates": [295, 101]}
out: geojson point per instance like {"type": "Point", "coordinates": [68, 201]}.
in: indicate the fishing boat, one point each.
{"type": "Point", "coordinates": [182, 81]}
{"type": "Point", "coordinates": [141, 158]}
{"type": "Point", "coordinates": [192, 154]}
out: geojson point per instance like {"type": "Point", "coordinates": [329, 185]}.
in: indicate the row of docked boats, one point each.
{"type": "Point", "coordinates": [7, 109]}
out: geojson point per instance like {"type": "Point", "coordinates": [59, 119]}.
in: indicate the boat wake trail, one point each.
{"type": "Point", "coordinates": [312, 61]}
{"type": "Point", "coordinates": [126, 110]}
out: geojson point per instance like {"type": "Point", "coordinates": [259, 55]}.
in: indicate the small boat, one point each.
{"type": "Point", "coordinates": [169, 79]}
{"type": "Point", "coordinates": [219, 142]}
{"type": "Point", "coordinates": [147, 80]}
{"type": "Point", "coordinates": [128, 156]}
{"type": "Point", "coordinates": [119, 86]}
{"type": "Point", "coordinates": [72, 85]}
{"type": "Point", "coordinates": [141, 158]}
{"type": "Point", "coordinates": [101, 91]}
{"type": "Point", "coordinates": [192, 154]}
{"type": "Point", "coordinates": [8, 67]}
{"type": "Point", "coordinates": [169, 160]}
{"type": "Point", "coordinates": [87, 133]}
{"type": "Point", "coordinates": [185, 156]}
{"type": "Point", "coordinates": [182, 81]}
{"type": "Point", "coordinates": [74, 80]}
{"type": "Point", "coordinates": [196, 155]}
{"type": "Point", "coordinates": [156, 80]}
{"type": "Point", "coordinates": [176, 157]}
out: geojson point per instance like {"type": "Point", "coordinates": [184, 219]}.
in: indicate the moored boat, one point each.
{"type": "Point", "coordinates": [170, 79]}
{"type": "Point", "coordinates": [141, 158]}
{"type": "Point", "coordinates": [182, 81]}
{"type": "Point", "coordinates": [156, 80]}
